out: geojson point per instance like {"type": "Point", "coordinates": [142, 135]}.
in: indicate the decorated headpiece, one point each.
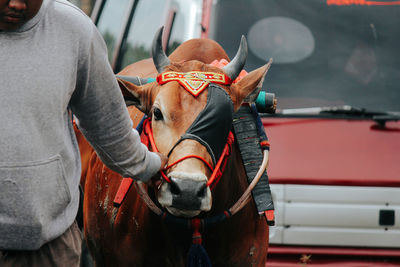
{"type": "Point", "coordinates": [195, 81]}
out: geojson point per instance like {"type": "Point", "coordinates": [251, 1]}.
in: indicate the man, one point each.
{"type": "Point", "coordinates": [53, 63]}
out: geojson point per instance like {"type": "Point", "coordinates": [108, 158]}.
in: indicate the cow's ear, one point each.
{"type": "Point", "coordinates": [248, 88]}
{"type": "Point", "coordinates": [138, 95]}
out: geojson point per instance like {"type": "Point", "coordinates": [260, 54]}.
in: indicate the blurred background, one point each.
{"type": "Point", "coordinates": [85, 5]}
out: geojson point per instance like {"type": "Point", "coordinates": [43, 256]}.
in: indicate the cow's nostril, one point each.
{"type": "Point", "coordinates": [187, 193]}
{"type": "Point", "coordinates": [174, 188]}
{"type": "Point", "coordinates": [202, 191]}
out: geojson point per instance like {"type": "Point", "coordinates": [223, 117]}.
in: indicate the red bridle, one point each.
{"type": "Point", "coordinates": [148, 139]}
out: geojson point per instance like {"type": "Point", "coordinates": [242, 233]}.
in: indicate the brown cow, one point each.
{"type": "Point", "coordinates": [132, 235]}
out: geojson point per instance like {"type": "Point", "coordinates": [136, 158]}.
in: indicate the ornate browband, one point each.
{"type": "Point", "coordinates": [195, 81]}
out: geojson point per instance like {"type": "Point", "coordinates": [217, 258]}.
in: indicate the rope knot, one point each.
{"type": "Point", "coordinates": [231, 138]}
{"type": "Point", "coordinates": [196, 236]}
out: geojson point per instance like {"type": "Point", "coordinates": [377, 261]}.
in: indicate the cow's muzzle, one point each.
{"type": "Point", "coordinates": [186, 195]}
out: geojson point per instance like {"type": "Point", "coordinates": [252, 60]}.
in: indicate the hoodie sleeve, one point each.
{"type": "Point", "coordinates": [103, 117]}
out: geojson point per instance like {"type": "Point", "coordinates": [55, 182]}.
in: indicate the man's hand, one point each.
{"type": "Point", "coordinates": [164, 160]}
{"type": "Point", "coordinates": [155, 181]}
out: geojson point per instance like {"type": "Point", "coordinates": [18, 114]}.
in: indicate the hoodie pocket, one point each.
{"type": "Point", "coordinates": [32, 195]}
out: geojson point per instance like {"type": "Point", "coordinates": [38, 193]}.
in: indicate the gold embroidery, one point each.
{"type": "Point", "coordinates": [195, 81]}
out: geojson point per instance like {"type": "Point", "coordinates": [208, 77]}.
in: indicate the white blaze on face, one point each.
{"type": "Point", "coordinates": [165, 196]}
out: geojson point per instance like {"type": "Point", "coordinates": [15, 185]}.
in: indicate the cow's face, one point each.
{"type": "Point", "coordinates": [173, 111]}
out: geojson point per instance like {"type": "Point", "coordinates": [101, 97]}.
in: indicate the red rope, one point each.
{"type": "Point", "coordinates": [216, 175]}
{"type": "Point", "coordinates": [149, 134]}
{"type": "Point", "coordinates": [188, 157]}
{"type": "Point", "coordinates": [216, 172]}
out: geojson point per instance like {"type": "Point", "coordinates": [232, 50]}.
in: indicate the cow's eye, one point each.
{"type": "Point", "coordinates": [157, 114]}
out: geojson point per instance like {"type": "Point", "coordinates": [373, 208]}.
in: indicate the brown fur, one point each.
{"type": "Point", "coordinates": [132, 235]}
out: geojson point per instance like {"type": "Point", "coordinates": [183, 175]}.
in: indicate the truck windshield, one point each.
{"type": "Point", "coordinates": [325, 52]}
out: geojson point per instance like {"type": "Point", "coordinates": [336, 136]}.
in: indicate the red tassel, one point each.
{"type": "Point", "coordinates": [197, 255]}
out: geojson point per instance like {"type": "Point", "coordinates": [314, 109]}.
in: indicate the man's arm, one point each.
{"type": "Point", "coordinates": [103, 118]}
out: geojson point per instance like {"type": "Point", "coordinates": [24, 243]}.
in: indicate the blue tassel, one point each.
{"type": "Point", "coordinates": [198, 257]}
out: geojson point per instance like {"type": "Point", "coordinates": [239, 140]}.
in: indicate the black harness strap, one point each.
{"type": "Point", "coordinates": [246, 133]}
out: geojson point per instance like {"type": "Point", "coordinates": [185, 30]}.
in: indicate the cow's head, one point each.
{"type": "Point", "coordinates": [175, 112]}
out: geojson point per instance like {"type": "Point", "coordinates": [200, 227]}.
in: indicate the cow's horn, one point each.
{"type": "Point", "coordinates": [236, 65]}
{"type": "Point", "coordinates": [160, 59]}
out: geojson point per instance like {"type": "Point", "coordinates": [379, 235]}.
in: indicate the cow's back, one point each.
{"type": "Point", "coordinates": [204, 50]}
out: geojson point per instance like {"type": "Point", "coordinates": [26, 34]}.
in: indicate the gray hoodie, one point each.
{"type": "Point", "coordinates": [55, 65]}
